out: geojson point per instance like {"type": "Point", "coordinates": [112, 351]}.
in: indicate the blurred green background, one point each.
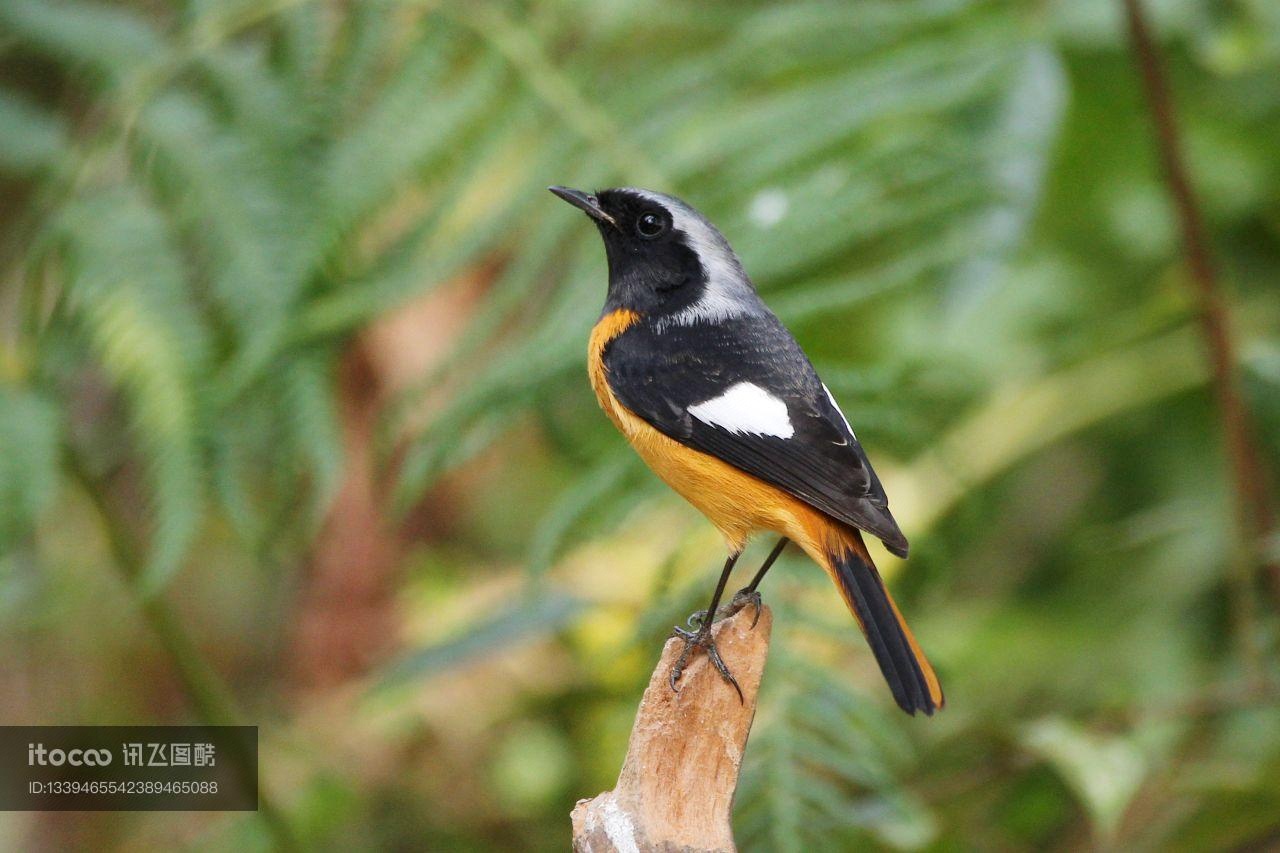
{"type": "Point", "coordinates": [295, 429]}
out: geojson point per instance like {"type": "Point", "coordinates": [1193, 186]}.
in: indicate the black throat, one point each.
{"type": "Point", "coordinates": [654, 277]}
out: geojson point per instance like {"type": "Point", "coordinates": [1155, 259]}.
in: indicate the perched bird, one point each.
{"type": "Point", "coordinates": [719, 400]}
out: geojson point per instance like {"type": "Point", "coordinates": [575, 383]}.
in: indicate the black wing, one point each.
{"type": "Point", "coordinates": [660, 374]}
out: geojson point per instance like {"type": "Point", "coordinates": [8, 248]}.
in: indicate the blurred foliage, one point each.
{"type": "Point", "coordinates": [953, 204]}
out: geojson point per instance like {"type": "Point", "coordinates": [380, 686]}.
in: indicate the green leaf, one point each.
{"type": "Point", "coordinates": [1105, 772]}
{"type": "Point", "coordinates": [521, 622]}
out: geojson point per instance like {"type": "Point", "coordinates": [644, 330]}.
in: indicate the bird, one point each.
{"type": "Point", "coordinates": [719, 400]}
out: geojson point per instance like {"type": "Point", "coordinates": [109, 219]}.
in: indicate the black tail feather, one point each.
{"type": "Point", "coordinates": [894, 650]}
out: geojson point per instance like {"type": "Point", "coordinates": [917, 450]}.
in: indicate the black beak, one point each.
{"type": "Point", "coordinates": [586, 202]}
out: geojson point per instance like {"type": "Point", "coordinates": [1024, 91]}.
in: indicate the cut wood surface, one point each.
{"type": "Point", "coordinates": [675, 791]}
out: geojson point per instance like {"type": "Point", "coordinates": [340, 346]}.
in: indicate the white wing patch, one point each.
{"type": "Point", "coordinates": [746, 408]}
{"type": "Point", "coordinates": [836, 406]}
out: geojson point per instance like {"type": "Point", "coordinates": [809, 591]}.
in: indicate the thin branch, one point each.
{"type": "Point", "coordinates": [1253, 499]}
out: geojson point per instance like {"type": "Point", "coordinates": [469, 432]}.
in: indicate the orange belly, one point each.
{"type": "Point", "coordinates": [737, 503]}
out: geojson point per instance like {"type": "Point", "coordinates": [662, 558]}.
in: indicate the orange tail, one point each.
{"type": "Point", "coordinates": [911, 678]}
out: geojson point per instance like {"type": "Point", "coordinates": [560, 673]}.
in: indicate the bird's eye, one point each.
{"type": "Point", "coordinates": [650, 225]}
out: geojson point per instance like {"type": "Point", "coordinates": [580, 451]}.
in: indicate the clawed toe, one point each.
{"type": "Point", "coordinates": [701, 638]}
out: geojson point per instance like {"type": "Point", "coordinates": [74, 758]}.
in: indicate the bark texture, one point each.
{"type": "Point", "coordinates": [675, 791]}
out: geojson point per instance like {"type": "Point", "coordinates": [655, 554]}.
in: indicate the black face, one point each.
{"type": "Point", "coordinates": [652, 271]}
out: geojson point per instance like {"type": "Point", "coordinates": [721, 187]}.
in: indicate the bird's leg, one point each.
{"type": "Point", "coordinates": [701, 635]}
{"type": "Point", "coordinates": [750, 594]}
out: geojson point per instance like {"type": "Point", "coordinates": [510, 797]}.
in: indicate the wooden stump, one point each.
{"type": "Point", "coordinates": [675, 791]}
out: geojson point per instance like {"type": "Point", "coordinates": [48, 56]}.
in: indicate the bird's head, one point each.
{"type": "Point", "coordinates": [666, 261]}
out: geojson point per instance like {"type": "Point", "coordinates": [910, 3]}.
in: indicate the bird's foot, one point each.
{"type": "Point", "coordinates": [746, 597]}
{"type": "Point", "coordinates": [701, 637]}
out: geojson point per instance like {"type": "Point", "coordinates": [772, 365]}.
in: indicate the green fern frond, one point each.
{"type": "Point", "coordinates": [406, 128]}
{"type": "Point", "coordinates": [821, 770]}
{"type": "Point", "coordinates": [127, 292]}
{"type": "Point", "coordinates": [247, 232]}
{"type": "Point", "coordinates": [314, 429]}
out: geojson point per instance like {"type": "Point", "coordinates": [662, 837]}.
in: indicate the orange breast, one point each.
{"type": "Point", "coordinates": [733, 500]}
